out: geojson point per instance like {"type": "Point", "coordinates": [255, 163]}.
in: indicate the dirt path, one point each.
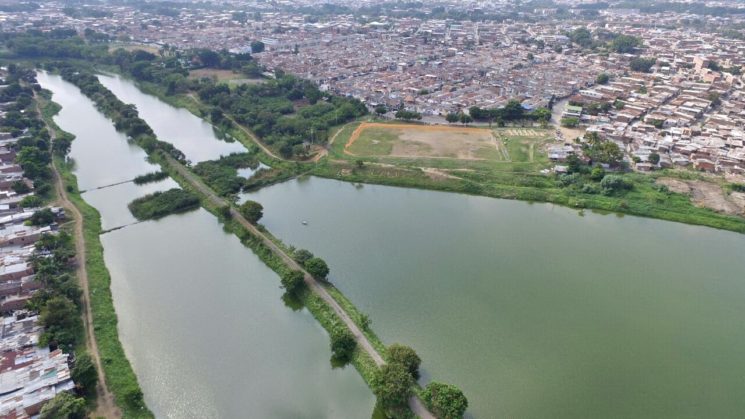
{"type": "Point", "coordinates": [414, 403]}
{"type": "Point", "coordinates": [105, 405]}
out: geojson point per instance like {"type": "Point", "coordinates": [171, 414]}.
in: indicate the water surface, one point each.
{"type": "Point", "coordinates": [532, 310]}
{"type": "Point", "coordinates": [193, 136]}
{"type": "Point", "coordinates": [200, 316]}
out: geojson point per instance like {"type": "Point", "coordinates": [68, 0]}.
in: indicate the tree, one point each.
{"type": "Point", "coordinates": [342, 343]}
{"type": "Point", "coordinates": [64, 406]}
{"type": "Point", "coordinates": [597, 173]}
{"type": "Point", "coordinates": [252, 211]}
{"type": "Point", "coordinates": [581, 37]}
{"type": "Point", "coordinates": [301, 256]}
{"type": "Point", "coordinates": [541, 114]}
{"type": "Point", "coordinates": [43, 217]}
{"type": "Point", "coordinates": [602, 78]}
{"type": "Point", "coordinates": [84, 373]}
{"type": "Point", "coordinates": [625, 44]}
{"type": "Point", "coordinates": [257, 47]}
{"type": "Point", "coordinates": [404, 355]}
{"type": "Point", "coordinates": [445, 400]}
{"type": "Point", "coordinates": [654, 158]}
{"type": "Point", "coordinates": [407, 115]}
{"type": "Point", "coordinates": [381, 110]}
{"type": "Point", "coordinates": [392, 385]}
{"type": "Point", "coordinates": [452, 117]}
{"type": "Point", "coordinates": [465, 119]}
{"type": "Point", "coordinates": [61, 321]}
{"type": "Point", "coordinates": [317, 267]}
{"type": "Point", "coordinates": [292, 281]}
{"type": "Point", "coordinates": [570, 122]}
{"type": "Point", "coordinates": [642, 65]}
{"type": "Point", "coordinates": [614, 183]}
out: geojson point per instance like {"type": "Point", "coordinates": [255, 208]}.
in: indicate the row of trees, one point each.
{"type": "Point", "coordinates": [288, 113]}
{"type": "Point", "coordinates": [125, 116]}
{"type": "Point", "coordinates": [513, 111]}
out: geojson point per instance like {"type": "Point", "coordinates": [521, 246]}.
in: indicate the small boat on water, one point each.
{"type": "Point", "coordinates": [305, 223]}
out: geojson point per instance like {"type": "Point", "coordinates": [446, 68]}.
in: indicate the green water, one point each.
{"type": "Point", "coordinates": [201, 318]}
{"type": "Point", "coordinates": [533, 310]}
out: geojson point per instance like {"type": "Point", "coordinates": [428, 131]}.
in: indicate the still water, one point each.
{"type": "Point", "coordinates": [201, 318]}
{"type": "Point", "coordinates": [533, 310]}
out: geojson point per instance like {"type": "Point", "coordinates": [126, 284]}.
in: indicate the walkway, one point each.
{"type": "Point", "coordinates": [414, 403]}
{"type": "Point", "coordinates": [105, 404]}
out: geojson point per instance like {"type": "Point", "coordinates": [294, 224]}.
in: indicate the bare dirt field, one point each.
{"type": "Point", "coordinates": [221, 75]}
{"type": "Point", "coordinates": [707, 194]}
{"type": "Point", "coordinates": [424, 141]}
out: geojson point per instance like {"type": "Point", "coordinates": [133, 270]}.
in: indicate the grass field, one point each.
{"type": "Point", "coordinates": [465, 144]}
{"type": "Point", "coordinates": [424, 141]}
{"type": "Point", "coordinates": [228, 76]}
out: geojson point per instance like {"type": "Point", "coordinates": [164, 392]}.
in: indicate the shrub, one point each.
{"type": "Point", "coordinates": [445, 400]}
{"type": "Point", "coordinates": [614, 183]}
{"type": "Point", "coordinates": [392, 385]}
{"type": "Point", "coordinates": [292, 281]}
{"type": "Point", "coordinates": [150, 177]}
{"type": "Point", "coordinates": [64, 406]}
{"type": "Point", "coordinates": [84, 373]}
{"type": "Point", "coordinates": [589, 188]}
{"type": "Point", "coordinates": [404, 355]}
{"type": "Point", "coordinates": [301, 256]}
{"type": "Point", "coordinates": [317, 267]}
{"type": "Point", "coordinates": [342, 343]}
{"type": "Point", "coordinates": [252, 211]}
{"type": "Point", "coordinates": [43, 217]}
{"type": "Point", "coordinates": [31, 201]}
{"type": "Point", "coordinates": [597, 173]}
{"type": "Point", "coordinates": [160, 204]}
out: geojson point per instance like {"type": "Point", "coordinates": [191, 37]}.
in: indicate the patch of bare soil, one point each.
{"type": "Point", "coordinates": [708, 195]}
{"type": "Point", "coordinates": [437, 174]}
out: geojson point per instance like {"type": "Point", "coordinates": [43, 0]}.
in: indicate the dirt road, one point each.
{"type": "Point", "coordinates": [105, 405]}
{"type": "Point", "coordinates": [414, 403]}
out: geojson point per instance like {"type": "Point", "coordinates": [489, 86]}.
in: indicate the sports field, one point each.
{"type": "Point", "coordinates": [424, 141]}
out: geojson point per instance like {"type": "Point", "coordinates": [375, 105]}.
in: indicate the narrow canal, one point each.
{"type": "Point", "coordinates": [201, 318]}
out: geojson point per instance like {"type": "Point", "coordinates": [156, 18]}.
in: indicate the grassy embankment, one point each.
{"type": "Point", "coordinates": [119, 374]}
{"type": "Point", "coordinates": [521, 180]}
{"type": "Point", "coordinates": [317, 307]}
{"type": "Point", "coordinates": [159, 204]}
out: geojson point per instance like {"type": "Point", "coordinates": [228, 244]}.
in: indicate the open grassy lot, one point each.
{"type": "Point", "coordinates": [227, 76]}
{"type": "Point", "coordinates": [526, 145]}
{"type": "Point", "coordinates": [424, 141]}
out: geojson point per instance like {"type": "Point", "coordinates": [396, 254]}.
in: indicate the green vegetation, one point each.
{"type": "Point", "coordinates": [393, 386]}
{"type": "Point", "coordinates": [408, 115]}
{"type": "Point", "coordinates": [42, 217]}
{"type": "Point", "coordinates": [570, 122]}
{"type": "Point", "coordinates": [404, 355]}
{"type": "Point", "coordinates": [252, 211]}
{"type": "Point", "coordinates": [642, 64]}
{"type": "Point", "coordinates": [342, 343]}
{"type": "Point", "coordinates": [222, 175]}
{"type": "Point", "coordinates": [160, 204]}
{"type": "Point", "coordinates": [292, 281]}
{"type": "Point", "coordinates": [120, 378]}
{"type": "Point", "coordinates": [64, 406]}
{"type": "Point", "coordinates": [444, 400]}
{"type": "Point", "coordinates": [317, 267]}
{"type": "Point", "coordinates": [150, 177]}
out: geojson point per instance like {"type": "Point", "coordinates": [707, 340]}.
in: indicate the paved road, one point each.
{"type": "Point", "coordinates": [414, 403]}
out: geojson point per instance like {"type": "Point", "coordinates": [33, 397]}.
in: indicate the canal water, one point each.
{"type": "Point", "coordinates": [533, 310]}
{"type": "Point", "coordinates": [193, 136]}
{"type": "Point", "coordinates": [201, 318]}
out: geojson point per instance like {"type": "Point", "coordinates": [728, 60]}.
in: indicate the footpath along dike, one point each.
{"type": "Point", "coordinates": [415, 404]}
{"type": "Point", "coordinates": [167, 156]}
